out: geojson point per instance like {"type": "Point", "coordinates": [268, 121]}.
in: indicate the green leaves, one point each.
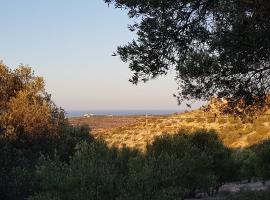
{"type": "Point", "coordinates": [217, 48]}
{"type": "Point", "coordinates": [173, 167]}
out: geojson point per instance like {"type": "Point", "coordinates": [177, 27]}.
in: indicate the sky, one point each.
{"type": "Point", "coordinates": [70, 43]}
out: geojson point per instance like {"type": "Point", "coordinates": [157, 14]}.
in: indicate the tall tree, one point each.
{"type": "Point", "coordinates": [25, 106]}
{"type": "Point", "coordinates": [217, 48]}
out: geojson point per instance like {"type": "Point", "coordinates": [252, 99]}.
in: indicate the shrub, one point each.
{"type": "Point", "coordinates": [262, 165]}
{"type": "Point", "coordinates": [198, 146]}
{"type": "Point", "coordinates": [200, 120]}
{"type": "Point", "coordinates": [222, 164]}
{"type": "Point", "coordinates": [246, 160]}
{"type": "Point", "coordinates": [173, 166]}
{"type": "Point", "coordinates": [211, 120]}
{"type": "Point", "coordinates": [69, 137]}
{"type": "Point", "coordinates": [19, 158]}
{"type": "Point", "coordinates": [222, 120]}
{"type": "Point", "coordinates": [94, 172]}
{"type": "Point", "coordinates": [189, 120]}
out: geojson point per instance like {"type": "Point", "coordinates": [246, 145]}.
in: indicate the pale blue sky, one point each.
{"type": "Point", "coordinates": [69, 43]}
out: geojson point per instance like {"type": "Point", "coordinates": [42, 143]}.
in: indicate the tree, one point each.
{"type": "Point", "coordinates": [220, 156]}
{"type": "Point", "coordinates": [25, 107]}
{"type": "Point", "coordinates": [247, 160]}
{"type": "Point", "coordinates": [196, 162]}
{"type": "Point", "coordinates": [173, 167]}
{"type": "Point", "coordinates": [217, 48]}
{"type": "Point", "coordinates": [30, 125]}
{"type": "Point", "coordinates": [92, 173]}
{"type": "Point", "coordinates": [262, 164]}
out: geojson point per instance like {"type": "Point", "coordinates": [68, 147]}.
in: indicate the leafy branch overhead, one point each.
{"type": "Point", "coordinates": [217, 48]}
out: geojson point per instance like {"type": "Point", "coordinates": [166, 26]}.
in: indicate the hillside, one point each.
{"type": "Point", "coordinates": [137, 131]}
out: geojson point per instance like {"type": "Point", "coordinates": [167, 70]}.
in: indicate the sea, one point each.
{"type": "Point", "coordinates": [79, 113]}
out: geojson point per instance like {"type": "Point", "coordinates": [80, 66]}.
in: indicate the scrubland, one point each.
{"type": "Point", "coordinates": [137, 131]}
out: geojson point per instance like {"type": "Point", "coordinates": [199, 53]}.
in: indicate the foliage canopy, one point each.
{"type": "Point", "coordinates": [25, 106]}
{"type": "Point", "coordinates": [217, 48]}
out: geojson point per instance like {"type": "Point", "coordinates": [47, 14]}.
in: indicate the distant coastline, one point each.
{"type": "Point", "coordinates": [80, 113]}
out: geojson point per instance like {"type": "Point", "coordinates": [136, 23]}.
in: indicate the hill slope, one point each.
{"type": "Point", "coordinates": [136, 132]}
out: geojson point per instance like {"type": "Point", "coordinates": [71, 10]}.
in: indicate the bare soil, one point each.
{"type": "Point", "coordinates": [104, 122]}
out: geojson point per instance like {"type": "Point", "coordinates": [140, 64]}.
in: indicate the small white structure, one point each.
{"type": "Point", "coordinates": [86, 115]}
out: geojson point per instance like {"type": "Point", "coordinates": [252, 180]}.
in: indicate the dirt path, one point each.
{"type": "Point", "coordinates": [104, 122]}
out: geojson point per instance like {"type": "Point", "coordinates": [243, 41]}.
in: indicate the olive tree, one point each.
{"type": "Point", "coordinates": [217, 48]}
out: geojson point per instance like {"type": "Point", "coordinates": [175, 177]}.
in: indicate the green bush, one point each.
{"type": "Point", "coordinates": [262, 164]}
{"type": "Point", "coordinates": [77, 166]}
{"type": "Point", "coordinates": [246, 160]}
{"type": "Point", "coordinates": [220, 156]}
{"type": "Point", "coordinates": [94, 172]}
{"type": "Point", "coordinates": [20, 156]}
{"type": "Point", "coordinates": [69, 137]}
{"type": "Point", "coordinates": [173, 167]}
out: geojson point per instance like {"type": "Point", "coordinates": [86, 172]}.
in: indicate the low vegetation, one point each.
{"type": "Point", "coordinates": [139, 130]}
{"type": "Point", "coordinates": [176, 166]}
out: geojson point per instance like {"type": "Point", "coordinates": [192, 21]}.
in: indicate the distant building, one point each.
{"type": "Point", "coordinates": [88, 115]}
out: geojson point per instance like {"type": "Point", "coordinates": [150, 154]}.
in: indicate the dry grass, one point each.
{"type": "Point", "coordinates": [137, 131]}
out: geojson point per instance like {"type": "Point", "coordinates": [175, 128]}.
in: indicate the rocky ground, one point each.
{"type": "Point", "coordinates": [231, 188]}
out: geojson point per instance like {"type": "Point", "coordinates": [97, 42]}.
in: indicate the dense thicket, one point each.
{"type": "Point", "coordinates": [18, 160]}
{"type": "Point", "coordinates": [173, 167]}
{"type": "Point", "coordinates": [217, 48]}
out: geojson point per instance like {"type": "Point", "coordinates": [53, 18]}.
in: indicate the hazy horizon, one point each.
{"type": "Point", "coordinates": [70, 44]}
